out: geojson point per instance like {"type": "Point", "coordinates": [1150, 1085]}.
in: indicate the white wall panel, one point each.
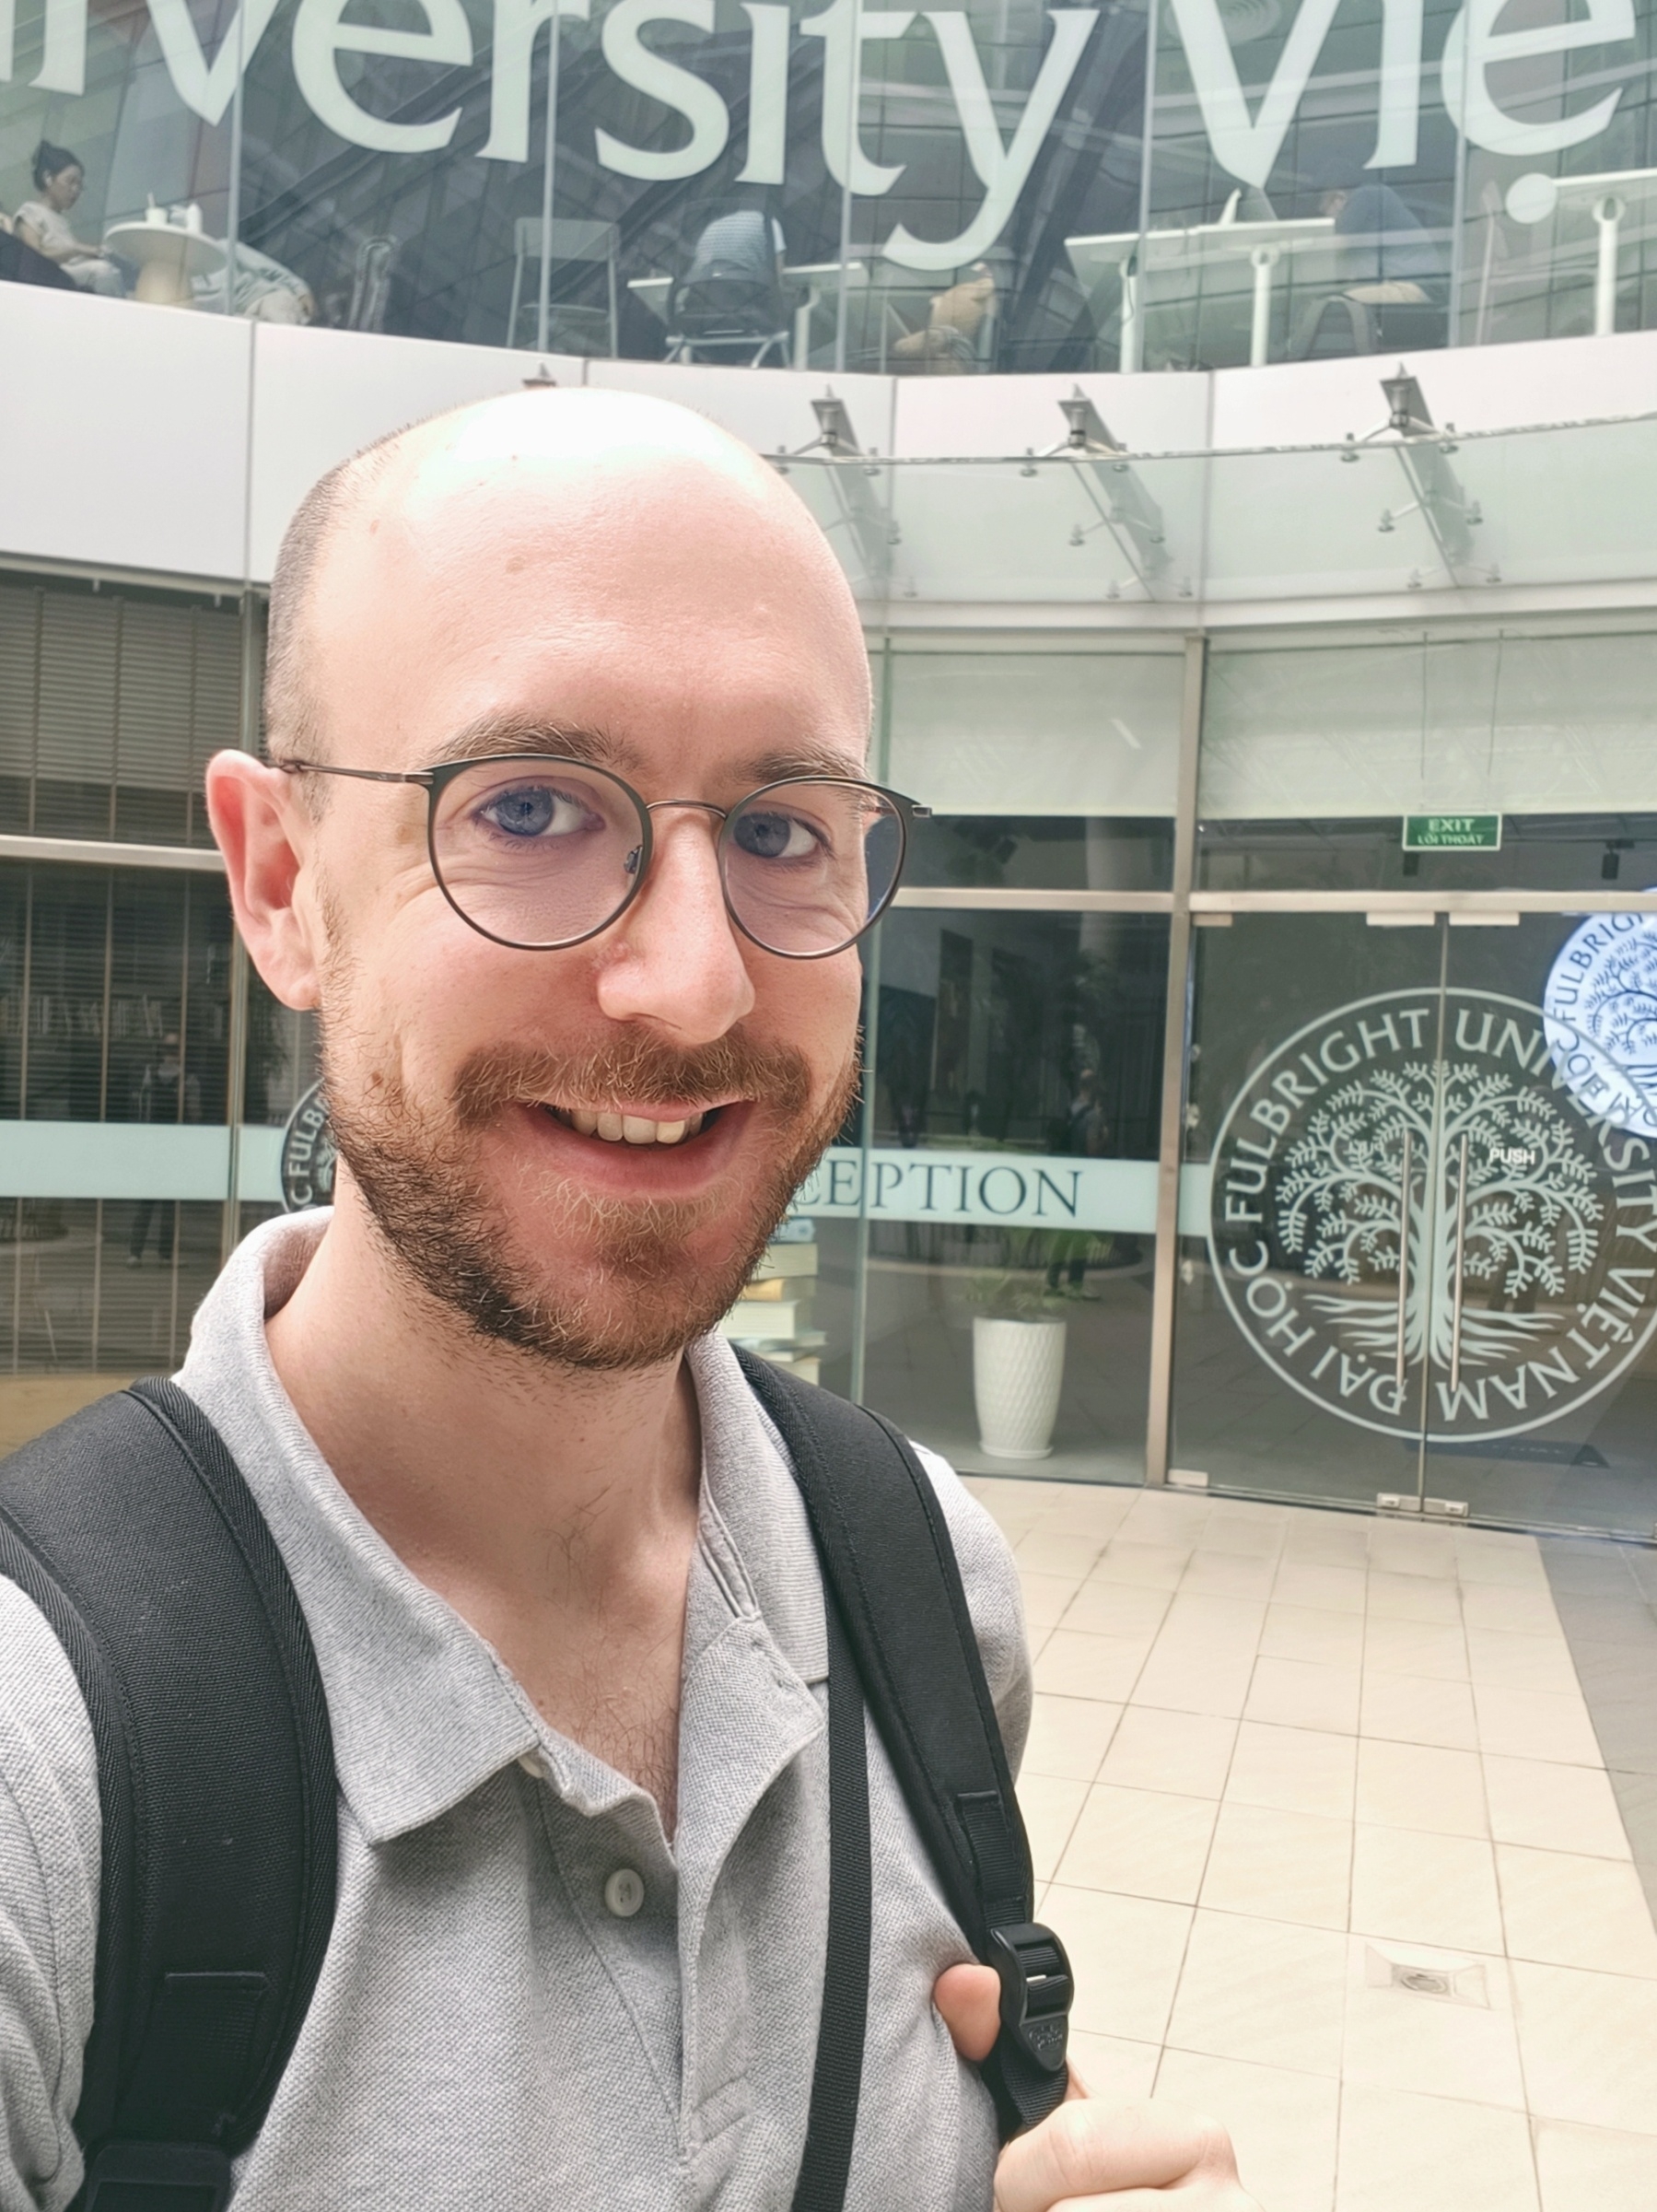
{"type": "Point", "coordinates": [768, 408]}
{"type": "Point", "coordinates": [123, 433]}
{"type": "Point", "coordinates": [987, 415]}
{"type": "Point", "coordinates": [1489, 388]}
{"type": "Point", "coordinates": [320, 395]}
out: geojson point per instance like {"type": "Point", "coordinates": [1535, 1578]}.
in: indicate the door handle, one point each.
{"type": "Point", "coordinates": [1403, 1252]}
{"type": "Point", "coordinates": [1461, 1246]}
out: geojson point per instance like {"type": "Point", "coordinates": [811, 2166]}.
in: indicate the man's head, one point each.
{"type": "Point", "coordinates": [609, 577]}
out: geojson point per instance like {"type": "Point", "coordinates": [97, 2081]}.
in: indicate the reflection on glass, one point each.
{"type": "Point", "coordinates": [95, 1287]}
{"type": "Point", "coordinates": [99, 970]}
{"type": "Point", "coordinates": [943, 194]}
{"type": "Point", "coordinates": [1430, 1217]}
{"type": "Point", "coordinates": [114, 154]}
{"type": "Point", "coordinates": [1012, 1180]}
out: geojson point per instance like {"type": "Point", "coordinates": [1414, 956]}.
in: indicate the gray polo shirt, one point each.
{"type": "Point", "coordinates": [531, 1998]}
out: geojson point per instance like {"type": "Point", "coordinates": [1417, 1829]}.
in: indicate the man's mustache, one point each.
{"type": "Point", "coordinates": [639, 1068]}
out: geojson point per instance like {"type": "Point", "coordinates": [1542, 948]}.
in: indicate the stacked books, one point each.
{"type": "Point", "coordinates": [773, 1316]}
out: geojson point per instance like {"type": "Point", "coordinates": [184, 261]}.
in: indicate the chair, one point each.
{"type": "Point", "coordinates": [1338, 326]}
{"type": "Point", "coordinates": [570, 328]}
{"type": "Point", "coordinates": [21, 265]}
{"type": "Point", "coordinates": [371, 284]}
{"type": "Point", "coordinates": [728, 306]}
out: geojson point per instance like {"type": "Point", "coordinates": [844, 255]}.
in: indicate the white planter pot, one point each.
{"type": "Point", "coordinates": [1018, 1367]}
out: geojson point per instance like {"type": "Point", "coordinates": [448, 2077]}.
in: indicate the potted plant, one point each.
{"type": "Point", "coordinates": [1018, 1350]}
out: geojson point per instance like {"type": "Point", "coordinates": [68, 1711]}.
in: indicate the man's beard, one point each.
{"type": "Point", "coordinates": [642, 1299]}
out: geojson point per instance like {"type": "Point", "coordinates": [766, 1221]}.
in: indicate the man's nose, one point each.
{"type": "Point", "coordinates": [674, 958]}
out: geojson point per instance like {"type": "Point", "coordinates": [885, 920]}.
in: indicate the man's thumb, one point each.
{"type": "Point", "coordinates": [969, 1999]}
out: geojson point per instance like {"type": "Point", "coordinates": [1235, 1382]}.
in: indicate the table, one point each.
{"type": "Point", "coordinates": [815, 280]}
{"type": "Point", "coordinates": [1608, 199]}
{"type": "Point", "coordinates": [1242, 256]}
{"type": "Point", "coordinates": [655, 291]}
{"type": "Point", "coordinates": [169, 254]}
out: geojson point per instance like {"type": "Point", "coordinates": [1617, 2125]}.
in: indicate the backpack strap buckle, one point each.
{"type": "Point", "coordinates": [156, 2177]}
{"type": "Point", "coordinates": [1036, 1991]}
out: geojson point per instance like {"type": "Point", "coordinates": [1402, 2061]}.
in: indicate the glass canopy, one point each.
{"type": "Point", "coordinates": [1414, 508]}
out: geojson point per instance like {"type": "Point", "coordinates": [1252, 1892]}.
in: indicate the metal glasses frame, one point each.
{"type": "Point", "coordinates": [434, 781]}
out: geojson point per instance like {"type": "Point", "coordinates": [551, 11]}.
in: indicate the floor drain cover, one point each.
{"type": "Point", "coordinates": [1451, 1980]}
{"type": "Point", "coordinates": [1425, 1981]}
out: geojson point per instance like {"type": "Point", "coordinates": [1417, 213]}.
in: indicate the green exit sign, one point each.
{"type": "Point", "coordinates": [1452, 832]}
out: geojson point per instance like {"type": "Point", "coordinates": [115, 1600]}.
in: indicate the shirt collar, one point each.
{"type": "Point", "coordinates": [422, 1710]}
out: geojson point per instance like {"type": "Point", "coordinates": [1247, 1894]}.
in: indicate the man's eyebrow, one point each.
{"type": "Point", "coordinates": [517, 733]}
{"type": "Point", "coordinates": [806, 759]}
{"type": "Point", "coordinates": [512, 733]}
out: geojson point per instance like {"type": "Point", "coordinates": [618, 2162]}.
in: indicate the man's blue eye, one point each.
{"type": "Point", "coordinates": [773, 837]}
{"type": "Point", "coordinates": [525, 812]}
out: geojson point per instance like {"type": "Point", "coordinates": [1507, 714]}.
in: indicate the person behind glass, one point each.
{"type": "Point", "coordinates": [1087, 1137]}
{"type": "Point", "coordinates": [163, 1093]}
{"type": "Point", "coordinates": [948, 346]}
{"type": "Point", "coordinates": [59, 177]}
{"type": "Point", "coordinates": [1387, 253]}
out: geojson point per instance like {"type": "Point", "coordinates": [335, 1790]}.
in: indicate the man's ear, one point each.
{"type": "Point", "coordinates": [259, 822]}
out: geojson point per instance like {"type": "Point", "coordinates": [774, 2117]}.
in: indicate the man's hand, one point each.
{"type": "Point", "coordinates": [1088, 2157]}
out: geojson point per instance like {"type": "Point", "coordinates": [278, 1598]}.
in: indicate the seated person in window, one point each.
{"type": "Point", "coordinates": [948, 346]}
{"type": "Point", "coordinates": [44, 224]}
{"type": "Point", "coordinates": [1387, 253]}
{"type": "Point", "coordinates": [265, 291]}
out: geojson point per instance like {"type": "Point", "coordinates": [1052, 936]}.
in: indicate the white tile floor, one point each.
{"type": "Point", "coordinates": [1281, 1758]}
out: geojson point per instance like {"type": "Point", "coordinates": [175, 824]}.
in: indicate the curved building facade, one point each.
{"type": "Point", "coordinates": [1264, 1047]}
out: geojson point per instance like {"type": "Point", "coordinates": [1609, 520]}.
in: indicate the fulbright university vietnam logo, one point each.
{"type": "Point", "coordinates": [1340, 1161]}
{"type": "Point", "coordinates": [1601, 1003]}
{"type": "Point", "coordinates": [307, 1155]}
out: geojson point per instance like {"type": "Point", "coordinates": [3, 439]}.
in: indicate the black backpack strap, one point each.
{"type": "Point", "coordinates": [837, 2080]}
{"type": "Point", "coordinates": [131, 1530]}
{"type": "Point", "coordinates": [887, 1558]}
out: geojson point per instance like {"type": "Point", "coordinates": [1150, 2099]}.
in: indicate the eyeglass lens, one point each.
{"type": "Point", "coordinates": [542, 852]}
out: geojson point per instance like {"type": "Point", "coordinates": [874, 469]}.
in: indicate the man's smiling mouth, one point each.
{"type": "Point", "coordinates": [614, 1126]}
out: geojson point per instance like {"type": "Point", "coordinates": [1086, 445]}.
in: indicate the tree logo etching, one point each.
{"type": "Point", "coordinates": [1312, 1211]}
{"type": "Point", "coordinates": [1601, 1003]}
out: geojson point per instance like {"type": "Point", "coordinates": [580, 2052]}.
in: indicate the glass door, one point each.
{"type": "Point", "coordinates": [1419, 1213]}
{"type": "Point", "coordinates": [1544, 1386]}
{"type": "Point", "coordinates": [1311, 1202]}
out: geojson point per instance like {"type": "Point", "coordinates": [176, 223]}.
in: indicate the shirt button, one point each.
{"type": "Point", "coordinates": [624, 1892]}
{"type": "Point", "coordinates": [534, 1765]}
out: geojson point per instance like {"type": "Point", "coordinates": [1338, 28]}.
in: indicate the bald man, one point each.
{"type": "Point", "coordinates": [564, 834]}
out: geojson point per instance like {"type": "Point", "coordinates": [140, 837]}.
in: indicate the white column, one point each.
{"type": "Point", "coordinates": [1608, 214]}
{"type": "Point", "coordinates": [1265, 260]}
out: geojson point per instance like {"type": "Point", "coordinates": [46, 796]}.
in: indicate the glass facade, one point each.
{"type": "Point", "coordinates": [1142, 184]}
{"type": "Point", "coordinates": [1260, 1048]}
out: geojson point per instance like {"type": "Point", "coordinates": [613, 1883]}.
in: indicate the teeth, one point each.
{"type": "Point", "coordinates": [629, 1129]}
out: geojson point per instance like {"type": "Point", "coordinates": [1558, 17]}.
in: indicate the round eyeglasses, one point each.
{"type": "Point", "coordinates": [540, 852]}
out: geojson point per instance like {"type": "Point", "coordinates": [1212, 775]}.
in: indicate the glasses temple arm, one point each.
{"type": "Point", "coordinates": [292, 766]}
